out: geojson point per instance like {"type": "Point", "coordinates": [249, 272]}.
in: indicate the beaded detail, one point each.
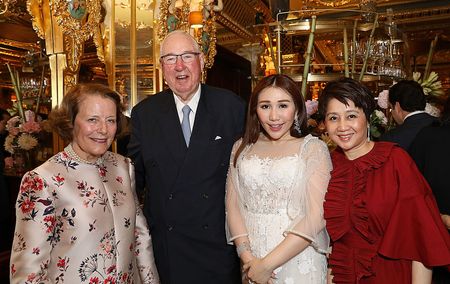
{"type": "Point", "coordinates": [74, 156]}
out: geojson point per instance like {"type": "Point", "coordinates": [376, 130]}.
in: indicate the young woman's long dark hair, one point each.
{"type": "Point", "coordinates": [253, 126]}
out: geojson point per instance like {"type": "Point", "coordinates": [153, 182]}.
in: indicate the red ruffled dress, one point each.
{"type": "Point", "coordinates": [381, 215]}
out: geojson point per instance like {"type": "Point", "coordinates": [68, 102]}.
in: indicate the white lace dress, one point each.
{"type": "Point", "coordinates": [281, 195]}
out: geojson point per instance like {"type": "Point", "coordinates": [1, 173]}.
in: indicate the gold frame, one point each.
{"type": "Point", "coordinates": [79, 29]}
{"type": "Point", "coordinates": [208, 25]}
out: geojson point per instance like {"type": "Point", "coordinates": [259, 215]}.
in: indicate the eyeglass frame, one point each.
{"type": "Point", "coordinates": [194, 53]}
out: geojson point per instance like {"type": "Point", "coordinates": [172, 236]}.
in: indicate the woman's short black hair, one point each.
{"type": "Point", "coordinates": [345, 90]}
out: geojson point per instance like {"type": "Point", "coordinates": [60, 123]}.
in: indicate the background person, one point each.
{"type": "Point", "coordinates": [182, 161]}
{"type": "Point", "coordinates": [407, 101]}
{"type": "Point", "coordinates": [381, 215]}
{"type": "Point", "coordinates": [431, 152]}
{"type": "Point", "coordinates": [275, 190]}
{"type": "Point", "coordinates": [77, 215]}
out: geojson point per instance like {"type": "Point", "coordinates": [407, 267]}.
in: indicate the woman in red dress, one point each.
{"type": "Point", "coordinates": [380, 212]}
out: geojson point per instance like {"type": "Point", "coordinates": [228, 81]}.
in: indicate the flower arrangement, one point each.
{"type": "Point", "coordinates": [378, 123]}
{"type": "Point", "coordinates": [24, 129]}
{"type": "Point", "coordinates": [22, 133]}
{"type": "Point", "coordinates": [431, 85]}
{"type": "Point", "coordinates": [311, 107]}
{"type": "Point", "coordinates": [383, 99]}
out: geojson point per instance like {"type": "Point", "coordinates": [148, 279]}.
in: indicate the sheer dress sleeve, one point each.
{"type": "Point", "coordinates": [235, 225]}
{"type": "Point", "coordinates": [309, 194]}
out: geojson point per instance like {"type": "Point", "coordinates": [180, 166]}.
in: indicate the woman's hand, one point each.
{"type": "Point", "coordinates": [258, 271]}
{"type": "Point", "coordinates": [446, 220]}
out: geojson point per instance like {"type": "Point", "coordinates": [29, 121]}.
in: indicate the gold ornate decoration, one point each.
{"type": "Point", "coordinates": [208, 36]}
{"type": "Point", "coordinates": [331, 3]}
{"type": "Point", "coordinates": [174, 15]}
{"type": "Point", "coordinates": [76, 48]}
{"type": "Point", "coordinates": [100, 44]}
{"type": "Point", "coordinates": [79, 26]}
{"type": "Point", "coordinates": [35, 7]}
{"type": "Point", "coordinates": [163, 29]}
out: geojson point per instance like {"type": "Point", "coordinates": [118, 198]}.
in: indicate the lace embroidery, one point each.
{"type": "Point", "coordinates": [268, 182]}
{"type": "Point", "coordinates": [265, 188]}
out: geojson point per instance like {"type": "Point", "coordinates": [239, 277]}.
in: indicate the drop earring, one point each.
{"type": "Point", "coordinates": [297, 126]}
{"type": "Point", "coordinates": [368, 132]}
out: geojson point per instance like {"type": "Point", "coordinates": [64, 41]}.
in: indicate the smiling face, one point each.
{"type": "Point", "coordinates": [94, 127]}
{"type": "Point", "coordinates": [347, 127]}
{"type": "Point", "coordinates": [182, 78]}
{"type": "Point", "coordinates": [276, 111]}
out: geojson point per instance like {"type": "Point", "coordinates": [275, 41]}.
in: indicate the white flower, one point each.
{"type": "Point", "coordinates": [27, 141]}
{"type": "Point", "coordinates": [430, 109]}
{"type": "Point", "coordinates": [381, 117]}
{"type": "Point", "coordinates": [383, 99]}
{"type": "Point", "coordinates": [9, 140]}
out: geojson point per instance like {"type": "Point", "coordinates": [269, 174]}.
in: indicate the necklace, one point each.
{"type": "Point", "coordinates": [74, 156]}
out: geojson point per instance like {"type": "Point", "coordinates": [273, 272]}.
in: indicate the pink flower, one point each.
{"type": "Point", "coordinates": [27, 206]}
{"type": "Point", "coordinates": [94, 280]}
{"type": "Point", "coordinates": [29, 115]}
{"type": "Point", "coordinates": [13, 269]}
{"type": "Point", "coordinates": [58, 179]}
{"type": "Point", "coordinates": [14, 131]}
{"type": "Point", "coordinates": [49, 223]}
{"type": "Point", "coordinates": [61, 263]}
{"type": "Point", "coordinates": [31, 277]}
{"type": "Point", "coordinates": [31, 126]}
{"type": "Point", "coordinates": [383, 99]}
{"type": "Point", "coordinates": [311, 107]}
{"type": "Point", "coordinates": [108, 280]}
{"type": "Point", "coordinates": [9, 162]}
{"type": "Point", "coordinates": [12, 122]}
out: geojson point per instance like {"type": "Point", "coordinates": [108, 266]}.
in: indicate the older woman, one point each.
{"type": "Point", "coordinates": [77, 215]}
{"type": "Point", "coordinates": [380, 213]}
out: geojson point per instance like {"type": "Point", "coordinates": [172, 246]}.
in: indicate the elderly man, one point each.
{"type": "Point", "coordinates": [181, 143]}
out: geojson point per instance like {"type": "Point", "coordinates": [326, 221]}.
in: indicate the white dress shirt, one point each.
{"type": "Point", "coordinates": [193, 104]}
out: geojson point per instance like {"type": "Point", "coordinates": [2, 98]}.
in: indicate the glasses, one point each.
{"type": "Point", "coordinates": [171, 59]}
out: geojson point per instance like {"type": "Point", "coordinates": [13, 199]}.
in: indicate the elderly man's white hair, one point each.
{"type": "Point", "coordinates": [181, 32]}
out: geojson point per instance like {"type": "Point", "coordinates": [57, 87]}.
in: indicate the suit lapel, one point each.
{"type": "Point", "coordinates": [203, 124]}
{"type": "Point", "coordinates": [171, 129]}
{"type": "Point", "coordinates": [200, 139]}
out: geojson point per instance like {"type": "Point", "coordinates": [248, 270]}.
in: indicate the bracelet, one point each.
{"type": "Point", "coordinates": [244, 246]}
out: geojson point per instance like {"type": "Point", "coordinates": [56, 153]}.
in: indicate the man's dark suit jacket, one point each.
{"type": "Point", "coordinates": [185, 187]}
{"type": "Point", "coordinates": [431, 152]}
{"type": "Point", "coordinates": [404, 134]}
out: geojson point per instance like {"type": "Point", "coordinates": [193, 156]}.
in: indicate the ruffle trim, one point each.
{"type": "Point", "coordinates": [346, 191]}
{"type": "Point", "coordinates": [337, 201]}
{"type": "Point", "coordinates": [346, 269]}
{"type": "Point", "coordinates": [375, 158]}
{"type": "Point", "coordinates": [345, 208]}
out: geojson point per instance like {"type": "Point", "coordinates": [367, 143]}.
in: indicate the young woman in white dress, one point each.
{"type": "Point", "coordinates": [275, 189]}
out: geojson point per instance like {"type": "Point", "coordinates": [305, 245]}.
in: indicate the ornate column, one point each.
{"type": "Point", "coordinates": [64, 25]}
